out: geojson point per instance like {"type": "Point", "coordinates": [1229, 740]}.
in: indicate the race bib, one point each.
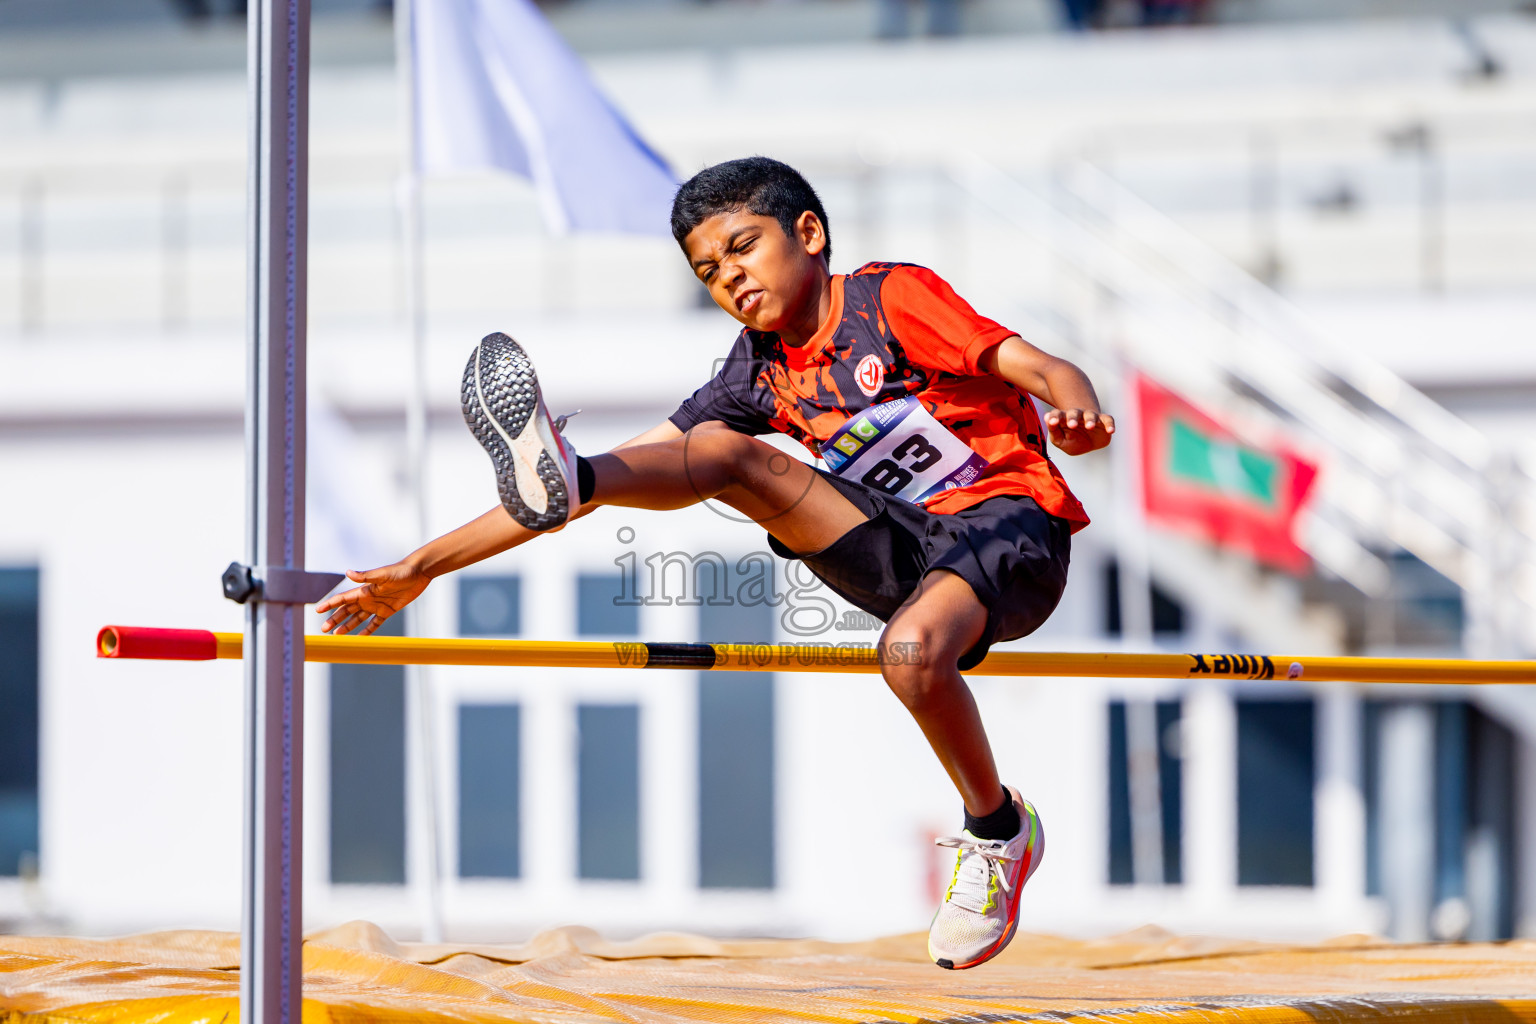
{"type": "Point", "coordinates": [899, 448]}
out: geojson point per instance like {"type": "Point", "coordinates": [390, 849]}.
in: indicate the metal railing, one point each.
{"type": "Point", "coordinates": [1401, 471]}
{"type": "Point", "coordinates": [91, 237]}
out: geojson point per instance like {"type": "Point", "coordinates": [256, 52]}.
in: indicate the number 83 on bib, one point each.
{"type": "Point", "coordinates": [899, 448]}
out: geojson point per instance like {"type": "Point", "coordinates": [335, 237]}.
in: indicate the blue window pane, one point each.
{"type": "Point", "coordinates": [490, 606]}
{"type": "Point", "coordinates": [1451, 790]}
{"type": "Point", "coordinates": [490, 791]}
{"type": "Point", "coordinates": [1474, 797]}
{"type": "Point", "coordinates": [1276, 771]}
{"type": "Point", "coordinates": [1170, 792]}
{"type": "Point", "coordinates": [368, 772]}
{"type": "Point", "coordinates": [598, 611]}
{"type": "Point", "coordinates": [1492, 867]}
{"type": "Point", "coordinates": [1370, 784]}
{"type": "Point", "coordinates": [736, 762]}
{"type": "Point", "coordinates": [1167, 612]}
{"type": "Point", "coordinates": [1425, 608]}
{"type": "Point", "coordinates": [608, 791]}
{"type": "Point", "coordinates": [18, 830]}
{"type": "Point", "coordinates": [19, 588]}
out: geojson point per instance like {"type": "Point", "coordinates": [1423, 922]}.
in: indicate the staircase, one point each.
{"type": "Point", "coordinates": [1398, 471]}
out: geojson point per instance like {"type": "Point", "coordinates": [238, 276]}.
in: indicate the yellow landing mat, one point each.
{"type": "Point", "coordinates": [573, 976]}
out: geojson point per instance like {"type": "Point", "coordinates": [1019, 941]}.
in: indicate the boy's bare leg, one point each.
{"type": "Point", "coordinates": [944, 619]}
{"type": "Point", "coordinates": [940, 621]}
{"type": "Point", "coordinates": [785, 496]}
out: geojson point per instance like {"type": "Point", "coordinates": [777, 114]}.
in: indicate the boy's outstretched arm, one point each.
{"type": "Point", "coordinates": [1076, 424]}
{"type": "Point", "coordinates": [389, 588]}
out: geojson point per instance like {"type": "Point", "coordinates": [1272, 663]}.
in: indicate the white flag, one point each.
{"type": "Point", "coordinates": [497, 88]}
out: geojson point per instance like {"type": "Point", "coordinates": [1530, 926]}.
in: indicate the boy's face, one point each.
{"type": "Point", "coordinates": [754, 271]}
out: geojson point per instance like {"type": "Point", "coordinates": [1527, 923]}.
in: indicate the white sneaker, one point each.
{"type": "Point", "coordinates": [535, 467]}
{"type": "Point", "coordinates": [980, 911]}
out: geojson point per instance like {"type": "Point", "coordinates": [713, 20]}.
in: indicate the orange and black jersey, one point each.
{"type": "Point", "coordinates": [895, 330]}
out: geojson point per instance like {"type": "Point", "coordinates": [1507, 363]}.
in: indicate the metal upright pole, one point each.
{"type": "Point", "coordinates": [424, 760]}
{"type": "Point", "coordinates": [272, 913]}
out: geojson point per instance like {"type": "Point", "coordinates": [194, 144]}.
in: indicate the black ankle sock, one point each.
{"type": "Point", "coordinates": [586, 480]}
{"type": "Point", "coordinates": [1002, 823]}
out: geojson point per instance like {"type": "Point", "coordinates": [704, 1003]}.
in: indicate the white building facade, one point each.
{"type": "Point", "coordinates": [772, 803]}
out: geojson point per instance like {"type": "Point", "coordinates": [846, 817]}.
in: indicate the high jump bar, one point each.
{"type": "Point", "coordinates": [144, 642]}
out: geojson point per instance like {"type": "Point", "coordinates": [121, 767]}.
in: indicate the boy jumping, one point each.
{"type": "Point", "coordinates": [939, 510]}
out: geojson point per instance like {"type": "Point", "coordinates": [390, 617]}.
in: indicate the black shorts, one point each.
{"type": "Point", "coordinates": [1012, 553]}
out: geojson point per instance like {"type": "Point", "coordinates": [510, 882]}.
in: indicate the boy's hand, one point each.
{"type": "Point", "coordinates": [1076, 431]}
{"type": "Point", "coordinates": [384, 591]}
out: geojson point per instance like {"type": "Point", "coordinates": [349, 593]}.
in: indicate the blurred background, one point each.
{"type": "Point", "coordinates": [1312, 221]}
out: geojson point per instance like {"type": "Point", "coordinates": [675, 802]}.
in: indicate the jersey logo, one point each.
{"type": "Point", "coordinates": [870, 375]}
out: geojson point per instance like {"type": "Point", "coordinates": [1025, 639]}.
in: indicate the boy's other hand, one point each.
{"type": "Point", "coordinates": [384, 591]}
{"type": "Point", "coordinates": [1076, 431]}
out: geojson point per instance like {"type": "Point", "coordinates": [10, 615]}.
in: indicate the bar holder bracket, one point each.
{"type": "Point", "coordinates": [276, 584]}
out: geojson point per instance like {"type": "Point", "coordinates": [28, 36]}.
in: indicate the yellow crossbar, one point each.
{"type": "Point", "coordinates": [143, 642]}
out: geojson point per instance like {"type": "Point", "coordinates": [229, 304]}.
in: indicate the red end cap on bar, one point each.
{"type": "Point", "coordinates": [156, 644]}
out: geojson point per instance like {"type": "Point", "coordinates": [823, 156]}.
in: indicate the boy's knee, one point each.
{"type": "Point", "coordinates": [911, 665]}
{"type": "Point", "coordinates": [719, 448]}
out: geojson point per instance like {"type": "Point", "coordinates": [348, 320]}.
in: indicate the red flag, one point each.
{"type": "Point", "coordinates": [1199, 477]}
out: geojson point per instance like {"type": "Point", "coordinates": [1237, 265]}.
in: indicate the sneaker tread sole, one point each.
{"type": "Point", "coordinates": [501, 404]}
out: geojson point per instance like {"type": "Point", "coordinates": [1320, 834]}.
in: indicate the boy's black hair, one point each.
{"type": "Point", "coordinates": [759, 184]}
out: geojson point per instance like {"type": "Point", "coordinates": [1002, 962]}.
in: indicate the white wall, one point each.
{"type": "Point", "coordinates": [120, 457]}
{"type": "Point", "coordinates": [127, 488]}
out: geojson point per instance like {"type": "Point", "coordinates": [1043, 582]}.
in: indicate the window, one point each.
{"type": "Point", "coordinates": [490, 606]}
{"type": "Point", "coordinates": [18, 719]}
{"type": "Point", "coordinates": [1424, 609]}
{"type": "Point", "coordinates": [368, 771]}
{"type": "Point", "coordinates": [490, 791]}
{"type": "Point", "coordinates": [1473, 812]}
{"type": "Point", "coordinates": [1276, 770]}
{"type": "Point", "coordinates": [1170, 793]}
{"type": "Point", "coordinates": [1489, 868]}
{"type": "Point", "coordinates": [598, 611]}
{"type": "Point", "coordinates": [1370, 783]}
{"type": "Point", "coordinates": [736, 763]}
{"type": "Point", "coordinates": [608, 791]}
{"type": "Point", "coordinates": [1452, 787]}
{"type": "Point", "coordinates": [1167, 612]}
